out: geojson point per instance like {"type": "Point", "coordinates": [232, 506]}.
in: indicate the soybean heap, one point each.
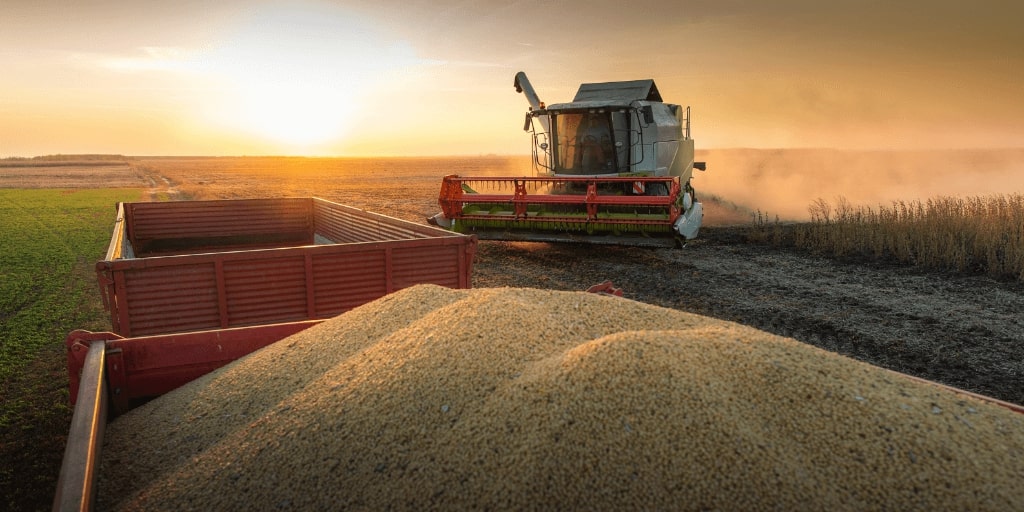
{"type": "Point", "coordinates": [432, 398]}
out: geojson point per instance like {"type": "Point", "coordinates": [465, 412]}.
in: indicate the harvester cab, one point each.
{"type": "Point", "coordinates": [612, 166]}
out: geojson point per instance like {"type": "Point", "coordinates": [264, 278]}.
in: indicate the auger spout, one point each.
{"type": "Point", "coordinates": [524, 86]}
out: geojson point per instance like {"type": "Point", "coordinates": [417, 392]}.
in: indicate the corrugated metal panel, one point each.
{"type": "Point", "coordinates": [264, 291]}
{"type": "Point", "coordinates": [343, 227]}
{"type": "Point", "coordinates": [216, 218]}
{"type": "Point", "coordinates": [347, 280]}
{"type": "Point", "coordinates": [435, 265]}
{"type": "Point", "coordinates": [345, 224]}
{"type": "Point", "coordinates": [171, 299]}
{"type": "Point", "coordinates": [202, 222]}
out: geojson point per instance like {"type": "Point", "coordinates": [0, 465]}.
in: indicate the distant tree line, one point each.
{"type": "Point", "coordinates": [60, 160]}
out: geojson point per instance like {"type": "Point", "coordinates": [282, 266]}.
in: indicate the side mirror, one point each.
{"type": "Point", "coordinates": [526, 125]}
{"type": "Point", "coordinates": [648, 114]}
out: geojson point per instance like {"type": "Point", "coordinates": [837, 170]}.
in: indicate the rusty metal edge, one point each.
{"type": "Point", "coordinates": [116, 247]}
{"type": "Point", "coordinates": [85, 437]}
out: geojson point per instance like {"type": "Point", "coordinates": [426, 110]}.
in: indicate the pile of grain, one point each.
{"type": "Point", "coordinates": [525, 399]}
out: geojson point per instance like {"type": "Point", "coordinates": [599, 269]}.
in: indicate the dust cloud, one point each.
{"type": "Point", "coordinates": [784, 182]}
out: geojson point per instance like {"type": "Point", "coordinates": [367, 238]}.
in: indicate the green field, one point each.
{"type": "Point", "coordinates": [51, 240]}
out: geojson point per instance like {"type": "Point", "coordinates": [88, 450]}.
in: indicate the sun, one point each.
{"type": "Point", "coordinates": [296, 74]}
{"type": "Point", "coordinates": [296, 114]}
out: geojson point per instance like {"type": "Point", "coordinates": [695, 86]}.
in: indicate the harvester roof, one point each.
{"type": "Point", "coordinates": [633, 90]}
{"type": "Point", "coordinates": [611, 95]}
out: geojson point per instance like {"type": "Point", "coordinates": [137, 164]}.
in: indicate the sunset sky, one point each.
{"type": "Point", "coordinates": [429, 77]}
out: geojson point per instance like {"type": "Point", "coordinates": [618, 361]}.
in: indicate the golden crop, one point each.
{"type": "Point", "coordinates": [973, 234]}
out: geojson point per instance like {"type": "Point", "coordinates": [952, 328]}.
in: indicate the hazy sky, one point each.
{"type": "Point", "coordinates": [417, 77]}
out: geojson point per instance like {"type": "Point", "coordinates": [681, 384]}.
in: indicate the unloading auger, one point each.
{"type": "Point", "coordinates": [613, 166]}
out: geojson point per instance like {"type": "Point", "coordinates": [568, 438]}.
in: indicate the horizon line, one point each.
{"type": "Point", "coordinates": [492, 155]}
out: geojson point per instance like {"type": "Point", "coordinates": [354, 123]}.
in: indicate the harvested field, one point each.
{"type": "Point", "coordinates": [70, 174]}
{"type": "Point", "coordinates": [519, 399]}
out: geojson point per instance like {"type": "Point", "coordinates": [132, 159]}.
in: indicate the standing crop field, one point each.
{"type": "Point", "coordinates": [51, 240]}
{"type": "Point", "coordinates": [974, 234]}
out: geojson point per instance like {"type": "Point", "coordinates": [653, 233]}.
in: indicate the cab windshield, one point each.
{"type": "Point", "coordinates": [585, 143]}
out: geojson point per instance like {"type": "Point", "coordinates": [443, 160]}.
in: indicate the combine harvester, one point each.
{"type": "Point", "coordinates": [612, 167]}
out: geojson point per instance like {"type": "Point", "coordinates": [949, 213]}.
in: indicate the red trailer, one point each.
{"type": "Point", "coordinates": [197, 265]}
{"type": "Point", "coordinates": [194, 285]}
